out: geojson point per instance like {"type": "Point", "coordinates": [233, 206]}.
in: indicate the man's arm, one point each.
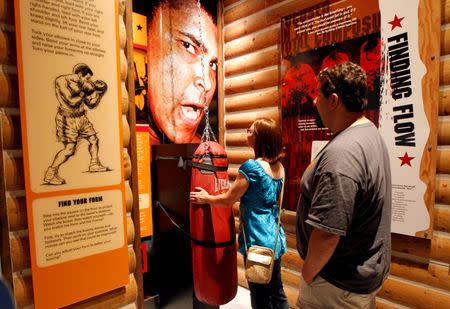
{"type": "Point", "coordinates": [320, 249]}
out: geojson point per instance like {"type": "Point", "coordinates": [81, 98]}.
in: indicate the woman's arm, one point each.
{"type": "Point", "coordinates": [233, 194]}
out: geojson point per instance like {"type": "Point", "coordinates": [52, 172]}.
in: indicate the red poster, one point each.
{"type": "Point", "coordinates": [311, 40]}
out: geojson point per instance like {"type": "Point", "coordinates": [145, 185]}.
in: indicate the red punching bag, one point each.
{"type": "Point", "coordinates": [213, 237]}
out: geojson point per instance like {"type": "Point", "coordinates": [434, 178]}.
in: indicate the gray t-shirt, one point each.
{"type": "Point", "coordinates": [347, 191]}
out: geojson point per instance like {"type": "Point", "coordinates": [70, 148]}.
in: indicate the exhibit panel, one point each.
{"type": "Point", "coordinates": [15, 226]}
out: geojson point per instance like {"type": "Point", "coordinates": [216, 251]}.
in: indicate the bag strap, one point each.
{"type": "Point", "coordinates": [280, 203]}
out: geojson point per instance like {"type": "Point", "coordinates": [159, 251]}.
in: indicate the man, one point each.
{"type": "Point", "coordinates": [344, 211]}
{"type": "Point", "coordinates": [179, 87]}
{"type": "Point", "coordinates": [74, 93]}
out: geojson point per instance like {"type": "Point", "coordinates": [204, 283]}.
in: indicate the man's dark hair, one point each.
{"type": "Point", "coordinates": [82, 68]}
{"type": "Point", "coordinates": [349, 81]}
{"type": "Point", "coordinates": [209, 6]}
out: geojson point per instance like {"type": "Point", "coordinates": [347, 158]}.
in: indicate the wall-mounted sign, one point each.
{"type": "Point", "coordinates": [383, 38]}
{"type": "Point", "coordinates": [143, 151]}
{"type": "Point", "coordinates": [69, 82]}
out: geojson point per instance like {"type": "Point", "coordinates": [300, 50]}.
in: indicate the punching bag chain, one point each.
{"type": "Point", "coordinates": [207, 132]}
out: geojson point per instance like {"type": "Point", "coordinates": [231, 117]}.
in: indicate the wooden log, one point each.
{"type": "Point", "coordinates": [125, 132]}
{"type": "Point", "coordinates": [251, 62]}
{"type": "Point", "coordinates": [9, 90]}
{"type": "Point", "coordinates": [131, 260]}
{"type": "Point", "coordinates": [23, 290]}
{"type": "Point", "coordinates": [442, 219]}
{"type": "Point", "coordinates": [13, 172]}
{"type": "Point", "coordinates": [440, 247]}
{"type": "Point", "coordinates": [444, 131]}
{"type": "Point", "coordinates": [7, 11]}
{"type": "Point", "coordinates": [444, 72]}
{"type": "Point", "coordinates": [122, 34]}
{"type": "Point", "coordinates": [444, 102]}
{"type": "Point", "coordinates": [290, 277]}
{"type": "Point", "coordinates": [443, 161]}
{"type": "Point", "coordinates": [252, 42]}
{"type": "Point", "coordinates": [232, 172]}
{"type": "Point", "coordinates": [17, 212]}
{"type": "Point", "coordinates": [264, 19]}
{"type": "Point", "coordinates": [289, 221]}
{"type": "Point", "coordinates": [130, 231]}
{"type": "Point", "coordinates": [253, 81]}
{"type": "Point", "coordinates": [386, 304]}
{"type": "Point", "coordinates": [410, 294]}
{"type": "Point", "coordinates": [431, 274]}
{"type": "Point", "coordinates": [445, 41]}
{"type": "Point", "coordinates": [445, 11]}
{"type": "Point", "coordinates": [121, 7]}
{"type": "Point", "coordinates": [123, 65]}
{"type": "Point", "coordinates": [257, 99]}
{"type": "Point", "coordinates": [126, 164]}
{"type": "Point", "coordinates": [128, 196]}
{"type": "Point", "coordinates": [20, 252]}
{"type": "Point", "coordinates": [442, 189]}
{"type": "Point", "coordinates": [227, 3]}
{"type": "Point", "coordinates": [292, 260]}
{"type": "Point", "coordinates": [7, 48]}
{"type": "Point", "coordinates": [411, 245]}
{"type": "Point", "coordinates": [134, 181]}
{"type": "Point", "coordinates": [240, 156]}
{"type": "Point", "coordinates": [244, 8]}
{"type": "Point", "coordinates": [12, 137]}
{"type": "Point", "coordinates": [125, 99]}
{"type": "Point", "coordinates": [291, 240]}
{"type": "Point", "coordinates": [236, 139]}
{"type": "Point", "coordinates": [429, 30]}
{"type": "Point", "coordinates": [245, 119]}
{"type": "Point", "coordinates": [292, 295]}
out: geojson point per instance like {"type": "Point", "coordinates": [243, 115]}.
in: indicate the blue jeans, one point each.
{"type": "Point", "coordinates": [271, 295]}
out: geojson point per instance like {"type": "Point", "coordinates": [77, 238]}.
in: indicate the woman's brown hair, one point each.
{"type": "Point", "coordinates": [268, 140]}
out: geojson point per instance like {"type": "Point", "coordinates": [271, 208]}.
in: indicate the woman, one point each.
{"type": "Point", "coordinates": [258, 186]}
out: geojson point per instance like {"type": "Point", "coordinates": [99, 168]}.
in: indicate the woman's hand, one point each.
{"type": "Point", "coordinates": [200, 196]}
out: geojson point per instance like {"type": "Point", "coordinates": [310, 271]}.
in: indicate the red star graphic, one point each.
{"type": "Point", "coordinates": [396, 22]}
{"type": "Point", "coordinates": [406, 159]}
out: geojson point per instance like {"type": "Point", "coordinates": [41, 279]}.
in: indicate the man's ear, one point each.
{"type": "Point", "coordinates": [334, 102]}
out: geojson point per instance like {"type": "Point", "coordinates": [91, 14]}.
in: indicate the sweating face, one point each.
{"type": "Point", "coordinates": [176, 84]}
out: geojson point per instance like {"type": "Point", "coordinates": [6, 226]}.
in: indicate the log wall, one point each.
{"type": "Point", "coordinates": [420, 268]}
{"type": "Point", "coordinates": [15, 254]}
